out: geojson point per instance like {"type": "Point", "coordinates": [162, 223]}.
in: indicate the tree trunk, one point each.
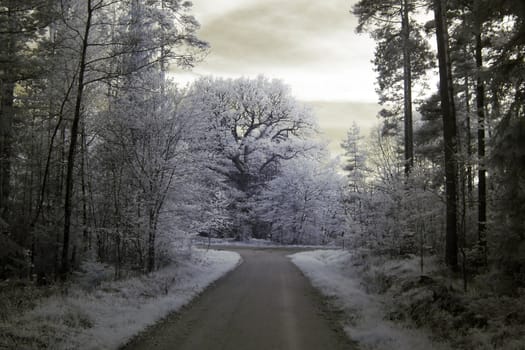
{"type": "Point", "coordinates": [480, 107]}
{"type": "Point", "coordinates": [152, 228]}
{"type": "Point", "coordinates": [470, 182]}
{"type": "Point", "coordinates": [72, 146]}
{"type": "Point", "coordinates": [449, 134]}
{"type": "Point", "coordinates": [6, 121]}
{"type": "Point", "coordinates": [7, 88]}
{"type": "Point", "coordinates": [407, 89]}
{"type": "Point", "coordinates": [83, 154]}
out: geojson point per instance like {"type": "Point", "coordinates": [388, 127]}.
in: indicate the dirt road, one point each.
{"type": "Point", "coordinates": [264, 304]}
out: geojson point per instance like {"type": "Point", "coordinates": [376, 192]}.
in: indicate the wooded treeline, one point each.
{"type": "Point", "coordinates": [445, 174]}
{"type": "Point", "coordinates": [104, 158]}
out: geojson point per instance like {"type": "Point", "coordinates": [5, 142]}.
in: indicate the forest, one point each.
{"type": "Point", "coordinates": [443, 176]}
{"type": "Point", "coordinates": [444, 173]}
{"type": "Point", "coordinates": [104, 157]}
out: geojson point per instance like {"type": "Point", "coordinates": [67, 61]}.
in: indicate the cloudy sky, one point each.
{"type": "Point", "coordinates": [311, 45]}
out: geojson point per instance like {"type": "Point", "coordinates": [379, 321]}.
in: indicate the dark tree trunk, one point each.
{"type": "Point", "coordinates": [7, 88]}
{"type": "Point", "coordinates": [449, 134]}
{"type": "Point", "coordinates": [72, 146]}
{"type": "Point", "coordinates": [6, 121]}
{"type": "Point", "coordinates": [85, 231]}
{"type": "Point", "coordinates": [482, 176]}
{"type": "Point", "coordinates": [152, 228]}
{"type": "Point", "coordinates": [470, 182]}
{"type": "Point", "coordinates": [407, 89]}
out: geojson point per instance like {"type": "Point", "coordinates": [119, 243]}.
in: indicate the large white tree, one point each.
{"type": "Point", "coordinates": [250, 126]}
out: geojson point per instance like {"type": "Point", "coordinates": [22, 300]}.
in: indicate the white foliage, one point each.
{"type": "Point", "coordinates": [248, 128]}
{"type": "Point", "coordinates": [303, 204]}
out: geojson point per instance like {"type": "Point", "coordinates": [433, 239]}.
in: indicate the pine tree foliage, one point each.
{"type": "Point", "coordinates": [401, 59]}
{"type": "Point", "coordinates": [355, 155]}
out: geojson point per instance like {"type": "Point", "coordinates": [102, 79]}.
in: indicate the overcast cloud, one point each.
{"type": "Point", "coordinates": [310, 45]}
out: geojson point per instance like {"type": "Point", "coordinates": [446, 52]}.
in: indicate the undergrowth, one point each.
{"type": "Point", "coordinates": [481, 318]}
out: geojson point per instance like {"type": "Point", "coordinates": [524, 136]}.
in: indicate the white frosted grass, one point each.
{"type": "Point", "coordinates": [113, 313]}
{"type": "Point", "coordinates": [333, 273]}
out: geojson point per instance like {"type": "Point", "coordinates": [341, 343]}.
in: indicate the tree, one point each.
{"type": "Point", "coordinates": [503, 72]}
{"type": "Point", "coordinates": [97, 50]}
{"type": "Point", "coordinates": [303, 204]}
{"type": "Point", "coordinates": [449, 133]}
{"type": "Point", "coordinates": [402, 56]}
{"type": "Point", "coordinates": [252, 126]}
{"type": "Point", "coordinates": [480, 111]}
{"type": "Point", "coordinates": [21, 24]}
{"type": "Point", "coordinates": [355, 158]}
{"type": "Point", "coordinates": [147, 135]}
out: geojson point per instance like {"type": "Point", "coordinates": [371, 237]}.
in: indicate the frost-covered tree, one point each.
{"type": "Point", "coordinates": [303, 203]}
{"type": "Point", "coordinates": [61, 64]}
{"type": "Point", "coordinates": [355, 189]}
{"type": "Point", "coordinates": [393, 214]}
{"type": "Point", "coordinates": [147, 134]}
{"type": "Point", "coordinates": [96, 35]}
{"type": "Point", "coordinates": [251, 126]}
{"type": "Point", "coordinates": [355, 158]}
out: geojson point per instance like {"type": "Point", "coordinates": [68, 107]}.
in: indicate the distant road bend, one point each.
{"type": "Point", "coordinates": [265, 304]}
